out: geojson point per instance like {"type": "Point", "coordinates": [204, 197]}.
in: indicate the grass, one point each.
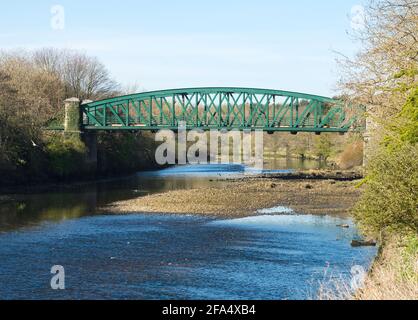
{"type": "Point", "coordinates": [333, 287]}
{"type": "Point", "coordinates": [394, 275]}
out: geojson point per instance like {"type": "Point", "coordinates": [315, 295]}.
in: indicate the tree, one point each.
{"type": "Point", "coordinates": [84, 77]}
{"type": "Point", "coordinates": [390, 199]}
{"type": "Point", "coordinates": [7, 94]}
{"type": "Point", "coordinates": [384, 76]}
{"type": "Point", "coordinates": [33, 87]}
{"type": "Point", "coordinates": [382, 73]}
{"type": "Point", "coordinates": [28, 98]}
{"type": "Point", "coordinates": [323, 147]}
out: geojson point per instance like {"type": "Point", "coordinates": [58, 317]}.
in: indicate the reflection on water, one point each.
{"type": "Point", "coordinates": [68, 202]}
{"type": "Point", "coordinates": [29, 210]}
{"type": "Point", "coordinates": [72, 202]}
{"type": "Point", "coordinates": [178, 257]}
{"type": "Point", "coordinates": [76, 201]}
{"type": "Point", "coordinates": [191, 171]}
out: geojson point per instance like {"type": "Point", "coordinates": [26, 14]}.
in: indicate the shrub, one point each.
{"type": "Point", "coordinates": [390, 199]}
{"type": "Point", "coordinates": [66, 157]}
{"type": "Point", "coordinates": [323, 147]}
{"type": "Point", "coordinates": [406, 124]}
{"type": "Point", "coordinates": [352, 156]}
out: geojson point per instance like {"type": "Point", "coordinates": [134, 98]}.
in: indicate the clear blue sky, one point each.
{"type": "Point", "coordinates": [188, 43]}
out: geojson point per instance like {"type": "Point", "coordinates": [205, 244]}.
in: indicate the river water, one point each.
{"type": "Point", "coordinates": [277, 254]}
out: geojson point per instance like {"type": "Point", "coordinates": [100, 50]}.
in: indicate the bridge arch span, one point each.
{"type": "Point", "coordinates": [222, 108]}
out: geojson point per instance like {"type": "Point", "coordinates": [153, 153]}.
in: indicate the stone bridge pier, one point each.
{"type": "Point", "coordinates": [73, 129]}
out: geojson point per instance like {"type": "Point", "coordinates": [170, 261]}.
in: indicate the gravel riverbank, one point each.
{"type": "Point", "coordinates": [307, 193]}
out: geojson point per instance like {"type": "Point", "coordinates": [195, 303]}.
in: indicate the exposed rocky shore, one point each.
{"type": "Point", "coordinates": [319, 193]}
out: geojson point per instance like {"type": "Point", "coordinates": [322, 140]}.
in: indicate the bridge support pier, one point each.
{"type": "Point", "coordinates": [73, 118]}
{"type": "Point", "coordinates": [73, 129]}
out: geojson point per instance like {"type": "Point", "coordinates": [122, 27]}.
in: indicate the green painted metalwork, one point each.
{"type": "Point", "coordinates": [223, 108]}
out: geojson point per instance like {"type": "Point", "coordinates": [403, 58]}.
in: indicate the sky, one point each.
{"type": "Point", "coordinates": [163, 44]}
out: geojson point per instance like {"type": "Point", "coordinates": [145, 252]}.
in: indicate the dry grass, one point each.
{"type": "Point", "coordinates": [352, 156]}
{"type": "Point", "coordinates": [394, 275]}
{"type": "Point", "coordinates": [334, 288]}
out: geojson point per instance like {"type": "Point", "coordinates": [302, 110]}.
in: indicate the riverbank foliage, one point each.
{"type": "Point", "coordinates": [33, 86]}
{"type": "Point", "coordinates": [395, 274]}
{"type": "Point", "coordinates": [65, 157]}
{"type": "Point", "coordinates": [344, 151]}
{"type": "Point", "coordinates": [390, 199]}
{"type": "Point", "coordinates": [384, 77]}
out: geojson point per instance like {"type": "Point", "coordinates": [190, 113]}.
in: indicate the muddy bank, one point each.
{"type": "Point", "coordinates": [334, 175]}
{"type": "Point", "coordinates": [244, 197]}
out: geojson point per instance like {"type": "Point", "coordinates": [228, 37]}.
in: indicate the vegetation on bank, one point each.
{"type": "Point", "coordinates": [388, 210]}
{"type": "Point", "coordinates": [395, 274]}
{"type": "Point", "coordinates": [384, 77]}
{"type": "Point", "coordinates": [345, 152]}
{"type": "Point", "coordinates": [65, 156]}
{"type": "Point", "coordinates": [33, 87]}
{"type": "Point", "coordinates": [390, 199]}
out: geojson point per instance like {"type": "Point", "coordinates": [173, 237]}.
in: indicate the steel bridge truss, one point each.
{"type": "Point", "coordinates": [223, 108]}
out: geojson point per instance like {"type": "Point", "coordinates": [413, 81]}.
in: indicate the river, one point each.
{"type": "Point", "coordinates": [277, 254]}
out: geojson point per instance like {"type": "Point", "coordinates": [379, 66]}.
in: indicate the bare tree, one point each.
{"type": "Point", "coordinates": [33, 86]}
{"type": "Point", "coordinates": [84, 77]}
{"type": "Point", "coordinates": [29, 97]}
{"type": "Point", "coordinates": [386, 67]}
{"type": "Point", "coordinates": [38, 93]}
{"type": "Point", "coordinates": [48, 59]}
{"type": "Point", "coordinates": [132, 88]}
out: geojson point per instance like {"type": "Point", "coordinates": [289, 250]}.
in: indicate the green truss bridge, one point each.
{"type": "Point", "coordinates": [216, 108]}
